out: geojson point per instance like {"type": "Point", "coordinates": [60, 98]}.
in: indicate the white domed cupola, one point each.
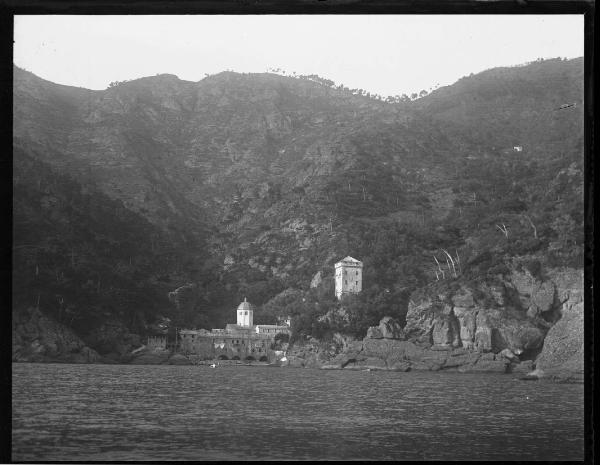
{"type": "Point", "coordinates": [244, 314]}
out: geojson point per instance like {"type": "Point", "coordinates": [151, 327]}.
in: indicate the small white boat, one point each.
{"type": "Point", "coordinates": [213, 365]}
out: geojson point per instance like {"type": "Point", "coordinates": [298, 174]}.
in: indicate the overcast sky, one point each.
{"type": "Point", "coordinates": [385, 54]}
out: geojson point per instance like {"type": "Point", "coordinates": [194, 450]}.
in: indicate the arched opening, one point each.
{"type": "Point", "coordinates": [223, 357]}
{"type": "Point", "coordinates": [263, 359]}
{"type": "Point", "coordinates": [235, 357]}
{"type": "Point", "coordinates": [250, 358]}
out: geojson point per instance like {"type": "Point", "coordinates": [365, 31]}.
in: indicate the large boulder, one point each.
{"type": "Point", "coordinates": [384, 348]}
{"type": "Point", "coordinates": [390, 328]}
{"type": "Point", "coordinates": [523, 283]}
{"type": "Point", "coordinates": [483, 332]}
{"type": "Point", "coordinates": [374, 333]}
{"type": "Point", "coordinates": [419, 318]}
{"type": "Point", "coordinates": [467, 323]}
{"type": "Point", "coordinates": [509, 355]}
{"type": "Point", "coordinates": [542, 296]}
{"type": "Point", "coordinates": [562, 354]}
{"type": "Point", "coordinates": [446, 330]}
{"type": "Point", "coordinates": [511, 329]}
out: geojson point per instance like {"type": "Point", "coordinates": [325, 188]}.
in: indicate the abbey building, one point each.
{"type": "Point", "coordinates": [241, 341]}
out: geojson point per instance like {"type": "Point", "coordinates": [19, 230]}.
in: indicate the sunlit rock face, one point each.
{"type": "Point", "coordinates": [563, 354]}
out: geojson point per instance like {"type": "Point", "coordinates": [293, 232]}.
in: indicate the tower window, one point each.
{"type": "Point", "coordinates": [345, 281]}
{"type": "Point", "coordinates": [357, 283]}
{"type": "Point", "coordinates": [245, 313]}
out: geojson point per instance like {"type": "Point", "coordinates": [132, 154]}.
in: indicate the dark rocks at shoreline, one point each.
{"type": "Point", "coordinates": [151, 358]}
{"type": "Point", "coordinates": [179, 359]}
{"type": "Point", "coordinates": [39, 338]}
{"type": "Point", "coordinates": [469, 328]}
{"type": "Point", "coordinates": [483, 328]}
{"type": "Point", "coordinates": [379, 353]}
{"type": "Point", "coordinates": [114, 341]}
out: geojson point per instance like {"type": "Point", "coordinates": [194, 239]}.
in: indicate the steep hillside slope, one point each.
{"type": "Point", "coordinates": [537, 106]}
{"type": "Point", "coordinates": [249, 184]}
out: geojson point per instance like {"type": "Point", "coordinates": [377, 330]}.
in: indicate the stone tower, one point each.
{"type": "Point", "coordinates": [348, 277]}
{"type": "Point", "coordinates": [244, 314]}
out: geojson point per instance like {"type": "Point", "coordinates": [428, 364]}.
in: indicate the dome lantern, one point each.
{"type": "Point", "coordinates": [245, 314]}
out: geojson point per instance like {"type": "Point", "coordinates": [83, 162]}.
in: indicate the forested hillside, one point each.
{"type": "Point", "coordinates": [248, 185]}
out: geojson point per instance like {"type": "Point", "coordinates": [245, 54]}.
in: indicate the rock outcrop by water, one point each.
{"type": "Point", "coordinates": [401, 355]}
{"type": "Point", "coordinates": [511, 313]}
{"type": "Point", "coordinates": [39, 338]}
{"type": "Point", "coordinates": [515, 325]}
{"type": "Point", "coordinates": [562, 357]}
{"type": "Point", "coordinates": [388, 328]}
{"type": "Point", "coordinates": [114, 340]}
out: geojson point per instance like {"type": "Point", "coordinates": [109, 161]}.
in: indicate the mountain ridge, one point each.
{"type": "Point", "coordinates": [259, 181]}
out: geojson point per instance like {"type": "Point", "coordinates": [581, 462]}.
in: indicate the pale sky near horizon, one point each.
{"type": "Point", "coordinates": [385, 54]}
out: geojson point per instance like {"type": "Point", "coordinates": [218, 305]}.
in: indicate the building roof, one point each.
{"type": "Point", "coordinates": [234, 327]}
{"type": "Point", "coordinates": [245, 305]}
{"type": "Point", "coordinates": [349, 261]}
{"type": "Point", "coordinates": [271, 326]}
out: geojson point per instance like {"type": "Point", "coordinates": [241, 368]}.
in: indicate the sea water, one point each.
{"type": "Point", "coordinates": [125, 412]}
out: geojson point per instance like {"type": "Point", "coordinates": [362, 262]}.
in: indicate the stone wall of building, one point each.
{"type": "Point", "coordinates": [348, 277]}
{"type": "Point", "coordinates": [157, 342]}
{"type": "Point", "coordinates": [227, 346]}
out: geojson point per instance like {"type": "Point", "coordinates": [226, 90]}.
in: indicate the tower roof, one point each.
{"type": "Point", "coordinates": [245, 305]}
{"type": "Point", "coordinates": [349, 261]}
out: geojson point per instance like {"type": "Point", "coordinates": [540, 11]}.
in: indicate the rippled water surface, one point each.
{"type": "Point", "coordinates": [126, 412]}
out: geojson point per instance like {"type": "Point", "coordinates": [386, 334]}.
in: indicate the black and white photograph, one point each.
{"type": "Point", "coordinates": [298, 237]}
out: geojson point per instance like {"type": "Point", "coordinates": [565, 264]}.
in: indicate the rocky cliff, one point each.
{"type": "Point", "coordinates": [246, 185]}
{"type": "Point", "coordinates": [511, 324]}
{"type": "Point", "coordinates": [38, 338]}
{"type": "Point", "coordinates": [562, 356]}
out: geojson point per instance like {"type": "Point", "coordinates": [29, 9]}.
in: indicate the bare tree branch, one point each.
{"type": "Point", "coordinates": [532, 225]}
{"type": "Point", "coordinates": [439, 267]}
{"type": "Point", "coordinates": [452, 261]}
{"type": "Point", "coordinates": [503, 229]}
